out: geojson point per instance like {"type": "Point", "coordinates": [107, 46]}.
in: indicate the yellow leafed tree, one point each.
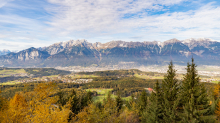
{"type": "Point", "coordinates": [217, 91]}
{"type": "Point", "coordinates": [42, 106]}
{"type": "Point", "coordinates": [17, 110]}
{"type": "Point", "coordinates": [3, 107]}
{"type": "Point", "coordinates": [38, 106]}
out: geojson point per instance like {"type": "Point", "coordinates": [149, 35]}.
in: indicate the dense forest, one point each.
{"type": "Point", "coordinates": [171, 100]}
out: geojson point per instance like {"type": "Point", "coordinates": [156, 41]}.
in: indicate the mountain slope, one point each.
{"type": "Point", "coordinates": [83, 53]}
{"type": "Point", "coordinates": [28, 58]}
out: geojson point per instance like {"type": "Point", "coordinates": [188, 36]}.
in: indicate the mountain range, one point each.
{"type": "Point", "coordinates": [82, 53]}
{"type": "Point", "coordinates": [4, 52]}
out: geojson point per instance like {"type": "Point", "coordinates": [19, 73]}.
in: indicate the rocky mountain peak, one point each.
{"type": "Point", "coordinates": [199, 40]}
{"type": "Point", "coordinates": [81, 52]}
{"type": "Point", "coordinates": [192, 42]}
{"type": "Point", "coordinates": [74, 43]}
{"type": "Point", "coordinates": [118, 43]}
{"type": "Point", "coordinates": [59, 47]}
{"type": "Point", "coordinates": [172, 41]}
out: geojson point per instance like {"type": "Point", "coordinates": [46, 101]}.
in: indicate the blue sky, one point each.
{"type": "Point", "coordinates": [38, 23]}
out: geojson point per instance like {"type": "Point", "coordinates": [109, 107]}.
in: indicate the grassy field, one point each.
{"type": "Point", "coordinates": [102, 94]}
{"type": "Point", "coordinates": [12, 71]}
{"type": "Point", "coordinates": [6, 73]}
{"type": "Point", "coordinates": [149, 77]}
{"type": "Point", "coordinates": [215, 82]}
{"type": "Point", "coordinates": [10, 83]}
{"type": "Point", "coordinates": [82, 76]}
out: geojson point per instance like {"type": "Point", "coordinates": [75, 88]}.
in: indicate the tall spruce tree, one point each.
{"type": "Point", "coordinates": [143, 101]}
{"type": "Point", "coordinates": [170, 89]}
{"type": "Point", "coordinates": [195, 103]}
{"type": "Point", "coordinates": [154, 112]}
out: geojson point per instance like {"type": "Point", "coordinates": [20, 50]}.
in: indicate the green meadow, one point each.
{"type": "Point", "coordinates": [103, 93]}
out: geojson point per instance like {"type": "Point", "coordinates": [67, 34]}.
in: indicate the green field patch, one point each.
{"type": "Point", "coordinates": [82, 76]}
{"type": "Point", "coordinates": [100, 91]}
{"type": "Point", "coordinates": [5, 75]}
{"type": "Point", "coordinates": [103, 93]}
{"type": "Point", "coordinates": [10, 83]}
{"type": "Point", "coordinates": [36, 70]}
{"type": "Point", "coordinates": [215, 82]}
{"type": "Point", "coordinates": [10, 71]}
{"type": "Point", "coordinates": [156, 76]}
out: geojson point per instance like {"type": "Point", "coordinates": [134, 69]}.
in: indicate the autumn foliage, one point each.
{"type": "Point", "coordinates": [170, 101]}
{"type": "Point", "coordinates": [36, 107]}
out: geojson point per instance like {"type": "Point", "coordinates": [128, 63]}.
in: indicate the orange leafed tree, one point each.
{"type": "Point", "coordinates": [217, 91]}
{"type": "Point", "coordinates": [38, 106]}
{"type": "Point", "coordinates": [3, 107]}
{"type": "Point", "coordinates": [17, 110]}
{"type": "Point", "coordinates": [43, 108]}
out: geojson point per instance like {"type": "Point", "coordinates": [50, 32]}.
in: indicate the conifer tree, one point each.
{"type": "Point", "coordinates": [194, 97]}
{"type": "Point", "coordinates": [170, 88]}
{"type": "Point", "coordinates": [74, 101]}
{"type": "Point", "coordinates": [119, 102]}
{"type": "Point", "coordinates": [143, 101]}
{"type": "Point", "coordinates": [110, 109]}
{"type": "Point", "coordinates": [61, 100]}
{"type": "Point", "coordinates": [154, 112]}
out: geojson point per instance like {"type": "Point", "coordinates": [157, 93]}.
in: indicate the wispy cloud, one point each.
{"type": "Point", "coordinates": [15, 46]}
{"type": "Point", "coordinates": [4, 2]}
{"type": "Point", "coordinates": [39, 23]}
{"type": "Point", "coordinates": [116, 16]}
{"type": "Point", "coordinates": [103, 15]}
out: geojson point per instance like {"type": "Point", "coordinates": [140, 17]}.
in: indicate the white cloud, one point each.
{"type": "Point", "coordinates": [4, 2]}
{"type": "Point", "coordinates": [203, 22]}
{"type": "Point", "coordinates": [102, 15]}
{"type": "Point", "coordinates": [106, 20]}
{"type": "Point", "coordinates": [17, 46]}
{"type": "Point", "coordinates": [98, 17]}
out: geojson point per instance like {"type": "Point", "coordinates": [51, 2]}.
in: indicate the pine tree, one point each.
{"type": "Point", "coordinates": [170, 88]}
{"type": "Point", "coordinates": [119, 102]}
{"type": "Point", "coordinates": [75, 103]}
{"type": "Point", "coordinates": [143, 101]}
{"type": "Point", "coordinates": [194, 97]}
{"type": "Point", "coordinates": [61, 100]}
{"type": "Point", "coordinates": [154, 112]}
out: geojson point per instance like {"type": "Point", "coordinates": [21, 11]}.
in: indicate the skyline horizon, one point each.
{"type": "Point", "coordinates": [202, 38]}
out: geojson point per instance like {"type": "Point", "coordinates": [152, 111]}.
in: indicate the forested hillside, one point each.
{"type": "Point", "coordinates": [114, 96]}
